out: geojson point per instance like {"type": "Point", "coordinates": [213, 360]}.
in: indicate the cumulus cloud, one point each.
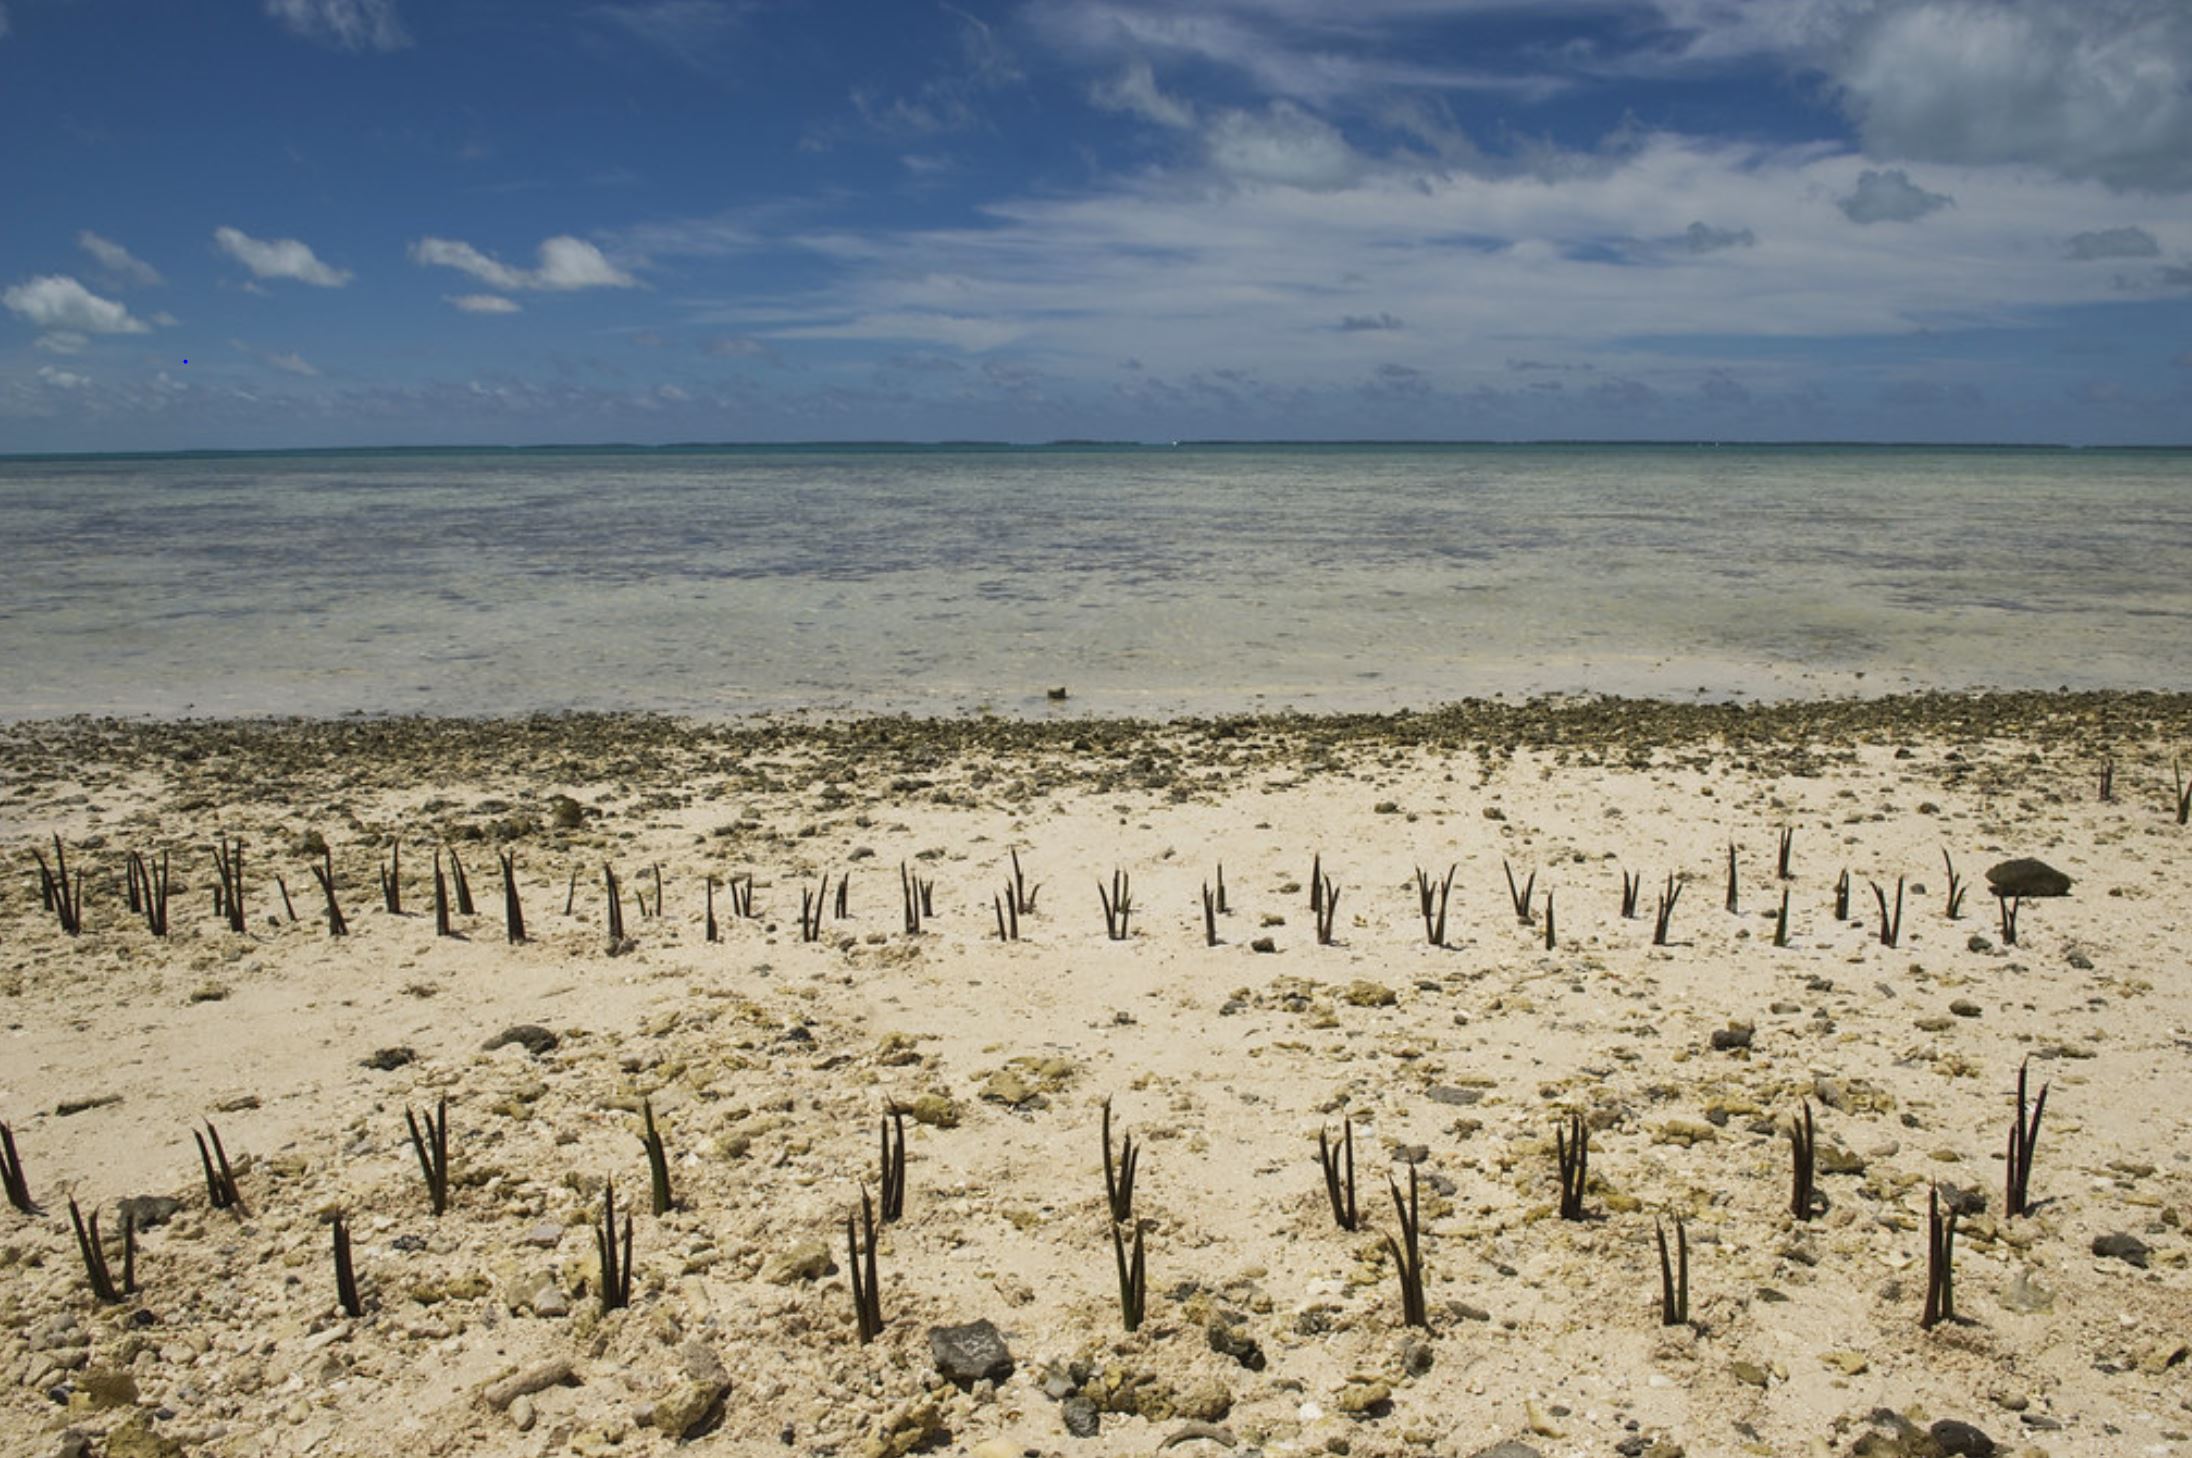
{"type": "Point", "coordinates": [58, 302]}
{"type": "Point", "coordinates": [2114, 243]}
{"type": "Point", "coordinates": [118, 261]}
{"type": "Point", "coordinates": [484, 303]}
{"type": "Point", "coordinates": [1134, 91]}
{"type": "Point", "coordinates": [280, 258]}
{"type": "Point", "coordinates": [1704, 238]}
{"type": "Point", "coordinates": [1889, 197]}
{"type": "Point", "coordinates": [353, 25]}
{"type": "Point", "coordinates": [1283, 144]}
{"type": "Point", "coordinates": [566, 263]}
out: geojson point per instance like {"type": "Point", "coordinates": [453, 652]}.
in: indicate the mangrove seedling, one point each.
{"type": "Point", "coordinates": [1551, 940]}
{"type": "Point", "coordinates": [894, 1163]}
{"type": "Point", "coordinates": [1339, 1174]}
{"type": "Point", "coordinates": [1572, 1148]}
{"type": "Point", "coordinates": [812, 905]}
{"type": "Point", "coordinates": [616, 1269]}
{"type": "Point", "coordinates": [1210, 917]}
{"type": "Point", "coordinates": [11, 1175]}
{"type": "Point", "coordinates": [1781, 921]}
{"type": "Point", "coordinates": [1118, 905]}
{"type": "Point", "coordinates": [461, 883]}
{"type": "Point", "coordinates": [1434, 908]}
{"type": "Point", "coordinates": [89, 1246]}
{"type": "Point", "coordinates": [1734, 907]}
{"type": "Point", "coordinates": [2184, 793]}
{"type": "Point", "coordinates": [1222, 908]}
{"type": "Point", "coordinates": [1631, 887]}
{"type": "Point", "coordinates": [1007, 906]}
{"type": "Point", "coordinates": [658, 1159]}
{"type": "Point", "coordinates": [2024, 1134]}
{"type": "Point", "coordinates": [1133, 1278]}
{"type": "Point", "coordinates": [710, 931]}
{"type": "Point", "coordinates": [513, 915]}
{"type": "Point", "coordinates": [1316, 882]}
{"type": "Point", "coordinates": [909, 889]}
{"type": "Point", "coordinates": [1119, 1173]}
{"type": "Point", "coordinates": [1023, 895]}
{"type": "Point", "coordinates": [2009, 907]}
{"type": "Point", "coordinates": [615, 895]}
{"type": "Point", "coordinates": [221, 1191]}
{"type": "Point", "coordinates": [1956, 888]}
{"type": "Point", "coordinates": [1667, 899]}
{"type": "Point", "coordinates": [1674, 1279]}
{"type": "Point", "coordinates": [431, 1145]}
{"type": "Point", "coordinates": [1803, 1146]}
{"type": "Point", "coordinates": [148, 891]}
{"type": "Point", "coordinates": [228, 860]}
{"type": "Point", "coordinates": [1520, 896]}
{"type": "Point", "coordinates": [1407, 1253]}
{"type": "Point", "coordinates": [441, 899]}
{"type": "Point", "coordinates": [346, 1276]}
{"type": "Point", "coordinates": [1788, 840]}
{"type": "Point", "coordinates": [1328, 912]}
{"type": "Point", "coordinates": [1891, 931]}
{"type": "Point", "coordinates": [1841, 896]}
{"type": "Point", "coordinates": [843, 904]}
{"type": "Point", "coordinates": [392, 879]}
{"type": "Point", "coordinates": [2108, 780]}
{"type": "Point", "coordinates": [324, 873]}
{"type": "Point", "coordinates": [1940, 1262]}
{"type": "Point", "coordinates": [867, 1291]}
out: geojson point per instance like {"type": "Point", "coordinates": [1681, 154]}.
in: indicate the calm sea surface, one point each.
{"type": "Point", "coordinates": [1144, 581]}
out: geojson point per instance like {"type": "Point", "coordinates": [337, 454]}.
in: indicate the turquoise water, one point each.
{"type": "Point", "coordinates": [1144, 580]}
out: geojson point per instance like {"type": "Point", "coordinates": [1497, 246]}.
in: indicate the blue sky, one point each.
{"type": "Point", "coordinates": [394, 221]}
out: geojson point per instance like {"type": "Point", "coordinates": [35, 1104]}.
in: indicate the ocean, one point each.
{"type": "Point", "coordinates": [1140, 580]}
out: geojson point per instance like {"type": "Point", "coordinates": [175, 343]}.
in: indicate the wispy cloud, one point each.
{"type": "Point", "coordinates": [2113, 243]}
{"type": "Point", "coordinates": [353, 25]}
{"type": "Point", "coordinates": [566, 264]}
{"type": "Point", "coordinates": [484, 303]}
{"type": "Point", "coordinates": [282, 258]}
{"type": "Point", "coordinates": [122, 265]}
{"type": "Point", "coordinates": [694, 31]}
{"type": "Point", "coordinates": [289, 362]}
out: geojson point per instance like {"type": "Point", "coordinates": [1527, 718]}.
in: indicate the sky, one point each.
{"type": "Point", "coordinates": [284, 223]}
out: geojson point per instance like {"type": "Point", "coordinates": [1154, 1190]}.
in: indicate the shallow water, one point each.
{"type": "Point", "coordinates": [1145, 581]}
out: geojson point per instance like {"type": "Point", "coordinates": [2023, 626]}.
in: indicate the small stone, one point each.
{"type": "Point", "coordinates": [2126, 1248]}
{"type": "Point", "coordinates": [688, 1407]}
{"type": "Point", "coordinates": [1081, 1417]}
{"type": "Point", "coordinates": [533, 1038]}
{"type": "Point", "coordinates": [1365, 993]}
{"type": "Point", "coordinates": [1228, 1340]}
{"type": "Point", "coordinates": [806, 1261]}
{"type": "Point", "coordinates": [1964, 1007]}
{"type": "Point", "coordinates": [1733, 1036]}
{"type": "Point", "coordinates": [2026, 1295]}
{"type": "Point", "coordinates": [1961, 1439]}
{"type": "Point", "coordinates": [1416, 1357]}
{"type": "Point", "coordinates": [971, 1353]}
{"type": "Point", "coordinates": [1263, 944]}
{"type": "Point", "coordinates": [1191, 1431]}
{"type": "Point", "coordinates": [1541, 1423]}
{"type": "Point", "coordinates": [1749, 1373]}
{"type": "Point", "coordinates": [522, 1414]}
{"type": "Point", "coordinates": [1848, 1363]}
{"type": "Point", "coordinates": [75, 1443]}
{"type": "Point", "coordinates": [108, 1387]}
{"type": "Point", "coordinates": [1057, 694]}
{"type": "Point", "coordinates": [1508, 1449]}
{"type": "Point", "coordinates": [146, 1212]}
{"type": "Point", "coordinates": [935, 1110]}
{"type": "Point", "coordinates": [1446, 1093]}
{"type": "Point", "coordinates": [550, 1301]}
{"type": "Point", "coordinates": [565, 813]}
{"type": "Point", "coordinates": [388, 1060]}
{"type": "Point", "coordinates": [1963, 1201]}
{"type": "Point", "coordinates": [1363, 1396]}
{"type": "Point", "coordinates": [133, 1437]}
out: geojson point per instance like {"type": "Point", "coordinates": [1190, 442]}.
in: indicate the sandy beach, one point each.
{"type": "Point", "coordinates": [769, 1062]}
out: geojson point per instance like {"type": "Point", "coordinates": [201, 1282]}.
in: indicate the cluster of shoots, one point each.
{"type": "Point", "coordinates": [1891, 928]}
{"type": "Point", "coordinates": [867, 1292]}
{"type": "Point", "coordinates": [1674, 1277]}
{"type": "Point", "coordinates": [346, 1275]}
{"type": "Point", "coordinates": [1407, 1253]}
{"type": "Point", "coordinates": [1023, 895]}
{"type": "Point", "coordinates": [918, 896]}
{"type": "Point", "coordinates": [615, 894]}
{"type": "Point", "coordinates": [1339, 1175]}
{"type": "Point", "coordinates": [1007, 907]}
{"type": "Point", "coordinates": [1328, 910]}
{"type": "Point", "coordinates": [442, 927]}
{"type": "Point", "coordinates": [2024, 1133]}
{"type": "Point", "coordinates": [894, 1164]}
{"type": "Point", "coordinates": [462, 884]}
{"type": "Point", "coordinates": [11, 1174]}
{"type": "Point", "coordinates": [148, 891]}
{"type": "Point", "coordinates": [431, 1144]}
{"type": "Point", "coordinates": [1118, 903]}
{"type": "Point", "coordinates": [324, 873]}
{"type": "Point", "coordinates": [392, 881]}
{"type": "Point", "coordinates": [2108, 780]}
{"type": "Point", "coordinates": [1841, 896]}
{"type": "Point", "coordinates": [1631, 887]}
{"type": "Point", "coordinates": [1210, 917]}
{"type": "Point", "coordinates": [811, 906]}
{"type": "Point", "coordinates": [1665, 916]}
{"type": "Point", "coordinates": [1433, 905]}
{"type": "Point", "coordinates": [1781, 921]}
{"type": "Point", "coordinates": [1572, 1147]}
{"type": "Point", "coordinates": [60, 893]}
{"type": "Point", "coordinates": [2184, 795]}
{"type": "Point", "coordinates": [228, 895]}
{"type": "Point", "coordinates": [221, 1191]}
{"type": "Point", "coordinates": [658, 1159]}
{"type": "Point", "coordinates": [1119, 1171]}
{"type": "Point", "coordinates": [1781, 863]}
{"type": "Point", "coordinates": [742, 890]}
{"type": "Point", "coordinates": [2009, 906]}
{"type": "Point", "coordinates": [1802, 1147]}
{"type": "Point", "coordinates": [1520, 895]}
{"type": "Point", "coordinates": [513, 913]}
{"type": "Point", "coordinates": [94, 1253]}
{"type": "Point", "coordinates": [1956, 888]}
{"type": "Point", "coordinates": [1940, 1262]}
{"type": "Point", "coordinates": [616, 1265]}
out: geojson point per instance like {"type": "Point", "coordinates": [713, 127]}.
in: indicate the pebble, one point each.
{"type": "Point", "coordinates": [533, 1038]}
{"type": "Point", "coordinates": [974, 1352]}
{"type": "Point", "coordinates": [1961, 1439]}
{"type": "Point", "coordinates": [1081, 1417]}
{"type": "Point", "coordinates": [2126, 1248]}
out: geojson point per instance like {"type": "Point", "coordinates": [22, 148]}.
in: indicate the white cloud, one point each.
{"type": "Point", "coordinates": [969, 334]}
{"type": "Point", "coordinates": [2114, 243]}
{"type": "Point", "coordinates": [63, 341]}
{"type": "Point", "coordinates": [58, 302]}
{"type": "Point", "coordinates": [566, 263]}
{"type": "Point", "coordinates": [1284, 145]}
{"type": "Point", "coordinates": [355, 25]}
{"type": "Point", "coordinates": [1134, 90]}
{"type": "Point", "coordinates": [1890, 197]}
{"type": "Point", "coordinates": [672, 394]}
{"type": "Point", "coordinates": [281, 258]}
{"type": "Point", "coordinates": [1704, 238]}
{"type": "Point", "coordinates": [165, 320]}
{"type": "Point", "coordinates": [63, 379]}
{"type": "Point", "coordinates": [291, 363]}
{"type": "Point", "coordinates": [125, 266]}
{"type": "Point", "coordinates": [484, 303]}
{"type": "Point", "coordinates": [3, 22]}
{"type": "Point", "coordinates": [691, 30]}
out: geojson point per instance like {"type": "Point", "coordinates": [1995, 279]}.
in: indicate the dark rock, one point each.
{"type": "Point", "coordinates": [565, 813]}
{"type": "Point", "coordinates": [971, 1353]}
{"type": "Point", "coordinates": [1446, 1093]}
{"type": "Point", "coordinates": [1228, 1340]}
{"type": "Point", "coordinates": [75, 1443]}
{"type": "Point", "coordinates": [1962, 1201]}
{"type": "Point", "coordinates": [1082, 1418]}
{"type": "Point", "coordinates": [1508, 1449]}
{"type": "Point", "coordinates": [2127, 1248]}
{"type": "Point", "coordinates": [147, 1212]}
{"type": "Point", "coordinates": [1735, 1035]}
{"type": "Point", "coordinates": [1416, 1357]}
{"type": "Point", "coordinates": [1191, 1431]}
{"type": "Point", "coordinates": [1961, 1439]}
{"type": "Point", "coordinates": [2027, 877]}
{"type": "Point", "coordinates": [388, 1060]}
{"type": "Point", "coordinates": [531, 1037]}
{"type": "Point", "coordinates": [1263, 944]}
